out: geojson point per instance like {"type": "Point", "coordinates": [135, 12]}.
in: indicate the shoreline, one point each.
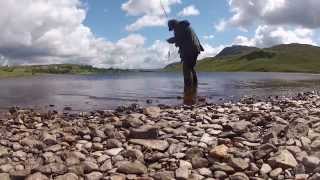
{"type": "Point", "coordinates": [277, 138]}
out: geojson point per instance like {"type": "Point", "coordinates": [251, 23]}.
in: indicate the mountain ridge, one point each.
{"type": "Point", "coordinates": [279, 58]}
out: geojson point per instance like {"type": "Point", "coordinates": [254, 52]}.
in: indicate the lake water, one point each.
{"type": "Point", "coordinates": [86, 93]}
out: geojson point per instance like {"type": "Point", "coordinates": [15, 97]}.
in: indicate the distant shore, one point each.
{"type": "Point", "coordinates": [62, 69]}
{"type": "Point", "coordinates": [276, 138]}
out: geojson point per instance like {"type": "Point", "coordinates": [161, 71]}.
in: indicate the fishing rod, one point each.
{"type": "Point", "coordinates": [166, 14]}
{"type": "Point", "coordinates": [164, 10]}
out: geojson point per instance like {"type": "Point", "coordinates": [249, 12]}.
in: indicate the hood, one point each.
{"type": "Point", "coordinates": [184, 23]}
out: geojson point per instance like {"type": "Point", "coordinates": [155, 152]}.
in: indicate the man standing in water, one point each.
{"type": "Point", "coordinates": [189, 49]}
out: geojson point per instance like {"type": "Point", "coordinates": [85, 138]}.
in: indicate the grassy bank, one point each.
{"type": "Point", "coordinates": [16, 71]}
{"type": "Point", "coordinates": [282, 58]}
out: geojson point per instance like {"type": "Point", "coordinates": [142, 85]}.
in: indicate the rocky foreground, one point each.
{"type": "Point", "coordinates": [273, 139]}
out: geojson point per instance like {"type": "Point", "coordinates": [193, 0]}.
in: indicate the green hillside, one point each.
{"type": "Point", "coordinates": [53, 69]}
{"type": "Point", "coordinates": [280, 58]}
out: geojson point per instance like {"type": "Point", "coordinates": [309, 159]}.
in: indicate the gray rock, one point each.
{"type": "Point", "coordinates": [5, 176]}
{"type": "Point", "coordinates": [264, 150]}
{"type": "Point", "coordinates": [160, 145]}
{"type": "Point", "coordinates": [114, 151]}
{"type": "Point", "coordinates": [117, 177]}
{"type": "Point", "coordinates": [93, 176]}
{"type": "Point", "coordinates": [32, 143]}
{"type": "Point", "coordinates": [239, 176]}
{"type": "Point", "coordinates": [305, 142]}
{"type": "Point", "coordinates": [97, 146]}
{"type": "Point", "coordinates": [196, 177]}
{"type": "Point", "coordinates": [54, 148]}
{"type": "Point", "coordinates": [49, 157]}
{"type": "Point", "coordinates": [315, 177]}
{"type": "Point", "coordinates": [3, 151]}
{"type": "Point", "coordinates": [194, 152]}
{"type": "Point", "coordinates": [240, 126]}
{"type": "Point", "coordinates": [69, 138]}
{"type": "Point", "coordinates": [265, 169]}
{"type": "Point", "coordinates": [294, 150]}
{"type": "Point", "coordinates": [274, 132]}
{"type": "Point", "coordinates": [6, 168]}
{"type": "Point", "coordinates": [300, 169]}
{"type": "Point", "coordinates": [301, 176]}
{"type": "Point", "coordinates": [22, 174]}
{"type": "Point", "coordinates": [99, 133]}
{"type": "Point", "coordinates": [182, 173]}
{"type": "Point", "coordinates": [164, 175]}
{"type": "Point", "coordinates": [76, 169]}
{"type": "Point", "coordinates": [134, 154]}
{"type": "Point", "coordinates": [72, 160]}
{"type": "Point", "coordinates": [199, 162]}
{"type": "Point", "coordinates": [89, 166]}
{"type": "Point", "coordinates": [53, 168]}
{"type": "Point", "coordinates": [153, 112]}
{"type": "Point", "coordinates": [20, 154]}
{"type": "Point", "coordinates": [238, 163]}
{"type": "Point", "coordinates": [222, 167]}
{"type": "Point", "coordinates": [113, 143]}
{"type": "Point", "coordinates": [132, 168]}
{"type": "Point", "coordinates": [284, 159]}
{"type": "Point", "coordinates": [37, 176]}
{"type": "Point", "coordinates": [220, 174]}
{"type": "Point", "coordinates": [209, 140]}
{"type": "Point", "coordinates": [175, 148]}
{"type": "Point", "coordinates": [276, 172]}
{"type": "Point", "coordinates": [107, 165]}
{"type": "Point", "coordinates": [311, 162]}
{"type": "Point", "coordinates": [146, 132]}
{"type": "Point", "coordinates": [68, 176]}
{"type": "Point", "coordinates": [205, 172]}
{"type": "Point", "coordinates": [183, 163]}
{"type": "Point", "coordinates": [49, 139]}
{"type": "Point", "coordinates": [315, 145]}
{"type": "Point", "coordinates": [132, 121]}
{"type": "Point", "coordinates": [15, 146]}
{"type": "Point", "coordinates": [297, 129]}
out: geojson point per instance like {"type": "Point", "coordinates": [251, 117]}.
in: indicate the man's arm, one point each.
{"type": "Point", "coordinates": [171, 40]}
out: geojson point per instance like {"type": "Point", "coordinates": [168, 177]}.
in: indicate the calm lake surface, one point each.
{"type": "Point", "coordinates": [84, 93]}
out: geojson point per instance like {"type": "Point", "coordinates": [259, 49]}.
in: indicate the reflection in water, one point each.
{"type": "Point", "coordinates": [85, 93]}
{"type": "Point", "coordinates": [190, 95]}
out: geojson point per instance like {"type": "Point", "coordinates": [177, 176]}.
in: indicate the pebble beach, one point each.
{"type": "Point", "coordinates": [275, 138]}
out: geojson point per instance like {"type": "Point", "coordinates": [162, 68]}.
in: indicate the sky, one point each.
{"type": "Point", "coordinates": [132, 33]}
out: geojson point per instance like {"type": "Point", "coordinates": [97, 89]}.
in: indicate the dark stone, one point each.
{"type": "Point", "coordinates": [147, 132]}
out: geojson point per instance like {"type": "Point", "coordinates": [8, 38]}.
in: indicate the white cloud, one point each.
{"type": "Point", "coordinates": [266, 36]}
{"type": "Point", "coordinates": [210, 51]}
{"type": "Point", "coordinates": [46, 32]}
{"type": "Point", "coordinates": [189, 11]}
{"type": "Point", "coordinates": [303, 13]}
{"type": "Point", "coordinates": [147, 21]}
{"type": "Point", "coordinates": [130, 52]}
{"type": "Point", "coordinates": [150, 7]}
{"type": "Point", "coordinates": [37, 30]}
{"type": "Point", "coordinates": [150, 12]}
{"type": "Point", "coordinates": [221, 25]}
{"type": "Point", "coordinates": [207, 37]}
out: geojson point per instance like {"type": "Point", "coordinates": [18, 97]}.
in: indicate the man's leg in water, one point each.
{"type": "Point", "coordinates": [193, 71]}
{"type": "Point", "coordinates": [194, 77]}
{"type": "Point", "coordinates": [187, 74]}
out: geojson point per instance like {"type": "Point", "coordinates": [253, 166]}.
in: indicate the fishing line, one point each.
{"type": "Point", "coordinates": [166, 14]}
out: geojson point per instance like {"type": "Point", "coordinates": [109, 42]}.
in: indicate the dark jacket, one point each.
{"type": "Point", "coordinates": [187, 41]}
